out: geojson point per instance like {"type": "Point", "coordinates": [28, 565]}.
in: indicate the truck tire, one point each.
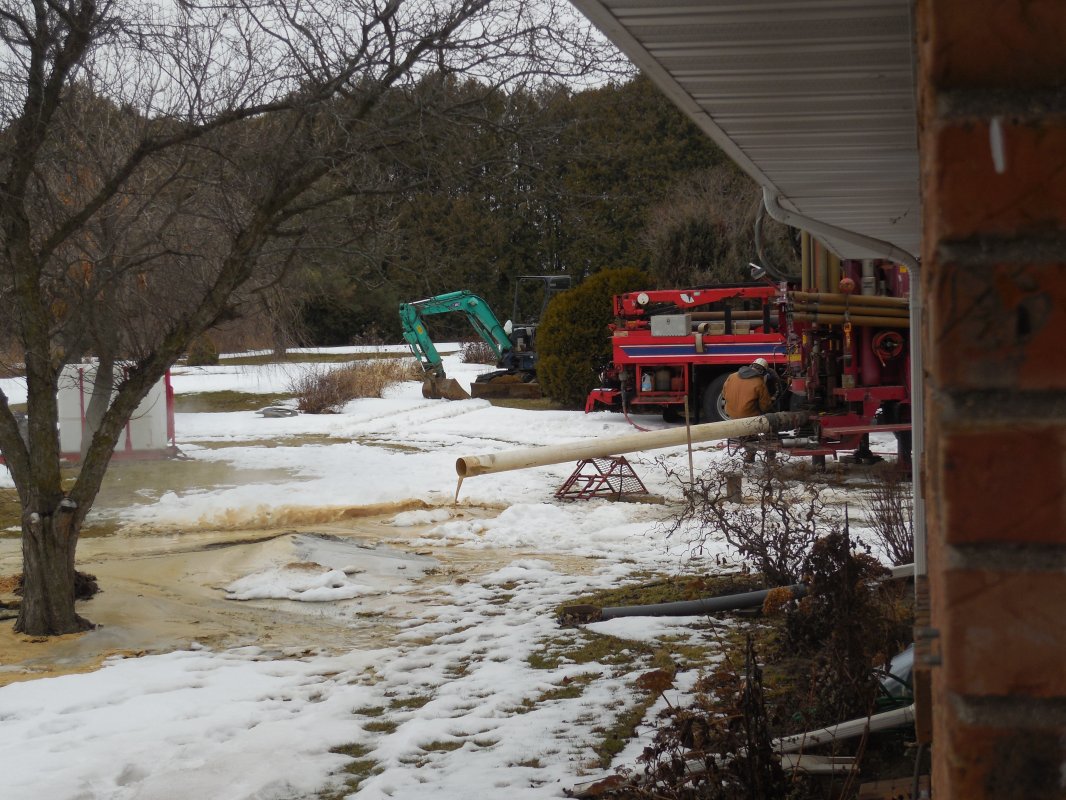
{"type": "Point", "coordinates": [712, 404]}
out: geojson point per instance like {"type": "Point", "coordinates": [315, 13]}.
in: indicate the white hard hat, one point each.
{"type": "Point", "coordinates": [761, 363]}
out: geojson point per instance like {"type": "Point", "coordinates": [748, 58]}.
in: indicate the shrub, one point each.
{"type": "Point", "coordinates": [774, 533]}
{"type": "Point", "coordinates": [573, 340]}
{"type": "Point", "coordinates": [721, 747]}
{"type": "Point", "coordinates": [202, 352]}
{"type": "Point", "coordinates": [371, 336]}
{"type": "Point", "coordinates": [324, 390]}
{"type": "Point", "coordinates": [477, 352]}
{"type": "Point", "coordinates": [847, 625]}
{"type": "Point", "coordinates": [888, 508]}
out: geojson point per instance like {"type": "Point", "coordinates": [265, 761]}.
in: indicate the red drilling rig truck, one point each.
{"type": "Point", "coordinates": [837, 340]}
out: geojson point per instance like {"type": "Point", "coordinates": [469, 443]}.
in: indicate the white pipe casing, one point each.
{"type": "Point", "coordinates": [468, 466]}
{"type": "Point", "coordinates": [884, 721]}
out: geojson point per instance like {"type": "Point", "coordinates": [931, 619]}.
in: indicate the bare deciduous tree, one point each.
{"type": "Point", "coordinates": [159, 163]}
{"type": "Point", "coordinates": [710, 227]}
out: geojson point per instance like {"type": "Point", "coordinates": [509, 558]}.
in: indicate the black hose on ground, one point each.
{"type": "Point", "coordinates": [706, 605]}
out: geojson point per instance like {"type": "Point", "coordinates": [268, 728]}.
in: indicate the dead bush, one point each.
{"type": "Point", "coordinates": [888, 509]}
{"type": "Point", "coordinates": [820, 664]}
{"type": "Point", "coordinates": [846, 626]}
{"type": "Point", "coordinates": [717, 749]}
{"type": "Point", "coordinates": [477, 352]}
{"type": "Point", "coordinates": [773, 531]}
{"type": "Point", "coordinates": [325, 390]}
{"type": "Point", "coordinates": [372, 336]}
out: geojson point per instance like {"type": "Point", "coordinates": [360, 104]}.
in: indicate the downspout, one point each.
{"type": "Point", "coordinates": [917, 423]}
{"type": "Point", "coordinates": [765, 262]}
{"type": "Point", "coordinates": [772, 201]}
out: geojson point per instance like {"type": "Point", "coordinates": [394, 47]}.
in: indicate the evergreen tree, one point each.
{"type": "Point", "coordinates": [574, 341]}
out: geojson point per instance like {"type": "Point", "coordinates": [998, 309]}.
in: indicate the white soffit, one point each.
{"type": "Point", "coordinates": [814, 99]}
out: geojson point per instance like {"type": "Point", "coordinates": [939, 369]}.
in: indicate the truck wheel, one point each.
{"type": "Point", "coordinates": [672, 414]}
{"type": "Point", "coordinates": [712, 404]}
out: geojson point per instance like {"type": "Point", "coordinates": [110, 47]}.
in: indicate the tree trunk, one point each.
{"type": "Point", "coordinates": [48, 545]}
{"type": "Point", "coordinates": [103, 385]}
{"type": "Point", "coordinates": [280, 341]}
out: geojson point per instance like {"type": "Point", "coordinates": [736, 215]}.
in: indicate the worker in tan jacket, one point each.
{"type": "Point", "coordinates": [745, 391]}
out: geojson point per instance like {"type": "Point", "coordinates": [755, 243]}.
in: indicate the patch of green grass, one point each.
{"type": "Point", "coordinates": [458, 670]}
{"type": "Point", "coordinates": [353, 750]}
{"type": "Point", "coordinates": [525, 707]}
{"type": "Point", "coordinates": [570, 692]}
{"type": "Point", "coordinates": [669, 590]}
{"type": "Point", "coordinates": [613, 737]}
{"type": "Point", "coordinates": [442, 747]}
{"type": "Point", "coordinates": [532, 763]}
{"type": "Point", "coordinates": [381, 726]}
{"type": "Point", "coordinates": [586, 647]}
{"type": "Point", "coordinates": [602, 649]}
{"type": "Point", "coordinates": [369, 711]}
{"type": "Point", "coordinates": [617, 722]}
{"type": "Point", "coordinates": [357, 770]}
{"type": "Point", "coordinates": [545, 659]}
{"type": "Point", "coordinates": [215, 402]}
{"type": "Point", "coordinates": [571, 689]}
{"type": "Point", "coordinates": [409, 703]}
{"type": "Point", "coordinates": [684, 653]}
{"type": "Point", "coordinates": [564, 691]}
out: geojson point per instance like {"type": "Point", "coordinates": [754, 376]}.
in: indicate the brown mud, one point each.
{"type": "Point", "coordinates": [163, 591]}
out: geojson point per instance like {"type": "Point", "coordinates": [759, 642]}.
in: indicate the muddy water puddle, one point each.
{"type": "Point", "coordinates": [166, 591]}
{"type": "Point", "coordinates": [143, 482]}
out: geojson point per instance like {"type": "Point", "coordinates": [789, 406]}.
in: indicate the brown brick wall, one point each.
{"type": "Point", "coordinates": [992, 98]}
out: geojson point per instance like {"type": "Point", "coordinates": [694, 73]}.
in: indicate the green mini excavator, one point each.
{"type": "Point", "coordinates": [516, 358]}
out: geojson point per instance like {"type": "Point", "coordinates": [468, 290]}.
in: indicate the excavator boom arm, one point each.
{"type": "Point", "coordinates": [477, 313]}
{"type": "Point", "coordinates": [417, 338]}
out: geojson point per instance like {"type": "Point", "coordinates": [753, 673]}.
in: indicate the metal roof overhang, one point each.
{"type": "Point", "coordinates": [815, 99]}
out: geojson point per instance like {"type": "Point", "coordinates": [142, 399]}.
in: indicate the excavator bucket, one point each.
{"type": "Point", "coordinates": [505, 385]}
{"type": "Point", "coordinates": [435, 388]}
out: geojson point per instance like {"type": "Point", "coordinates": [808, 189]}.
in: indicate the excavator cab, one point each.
{"type": "Point", "coordinates": [531, 297]}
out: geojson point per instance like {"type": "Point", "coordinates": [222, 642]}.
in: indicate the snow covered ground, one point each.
{"type": "Point", "coordinates": [456, 704]}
